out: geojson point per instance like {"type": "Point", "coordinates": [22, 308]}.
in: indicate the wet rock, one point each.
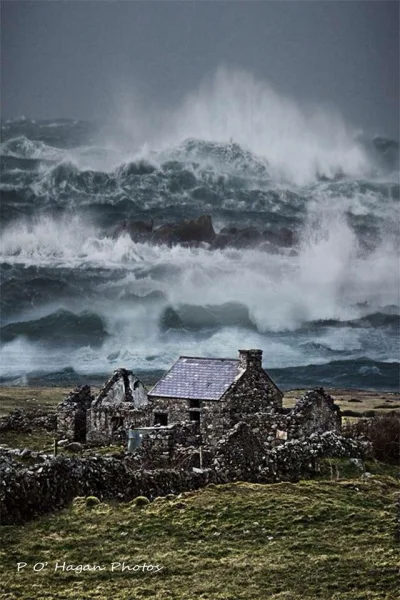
{"type": "Point", "coordinates": [139, 231]}
{"type": "Point", "coordinates": [251, 237]}
{"type": "Point", "coordinates": [191, 232]}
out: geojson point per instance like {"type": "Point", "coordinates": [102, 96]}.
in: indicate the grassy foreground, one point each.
{"type": "Point", "coordinates": [311, 540]}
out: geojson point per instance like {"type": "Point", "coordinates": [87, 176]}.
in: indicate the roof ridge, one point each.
{"type": "Point", "coordinates": [210, 358]}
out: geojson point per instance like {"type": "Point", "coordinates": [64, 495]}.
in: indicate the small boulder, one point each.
{"type": "Point", "coordinates": [74, 447]}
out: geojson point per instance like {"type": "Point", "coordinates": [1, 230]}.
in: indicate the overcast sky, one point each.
{"type": "Point", "coordinates": [73, 58]}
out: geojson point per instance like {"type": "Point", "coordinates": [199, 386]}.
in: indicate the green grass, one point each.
{"type": "Point", "coordinates": [30, 397]}
{"type": "Point", "coordinates": [312, 540]}
{"type": "Point", "coordinates": [38, 439]}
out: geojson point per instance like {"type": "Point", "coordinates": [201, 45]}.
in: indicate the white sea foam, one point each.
{"type": "Point", "coordinates": [328, 276]}
{"type": "Point", "coordinates": [331, 276]}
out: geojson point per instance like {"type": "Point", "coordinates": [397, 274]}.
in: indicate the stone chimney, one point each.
{"type": "Point", "coordinates": [250, 359]}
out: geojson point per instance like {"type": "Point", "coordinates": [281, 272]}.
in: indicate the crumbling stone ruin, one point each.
{"type": "Point", "coordinates": [206, 396]}
{"type": "Point", "coordinates": [72, 413]}
{"type": "Point", "coordinates": [121, 405]}
{"type": "Point", "coordinates": [206, 421]}
{"type": "Point", "coordinates": [315, 412]}
{"type": "Point", "coordinates": [106, 418]}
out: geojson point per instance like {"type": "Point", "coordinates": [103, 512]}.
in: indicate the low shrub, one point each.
{"type": "Point", "coordinates": [92, 501]}
{"type": "Point", "coordinates": [351, 413]}
{"type": "Point", "coordinates": [140, 501]}
{"type": "Point", "coordinates": [383, 432]}
{"type": "Point", "coordinates": [368, 414]}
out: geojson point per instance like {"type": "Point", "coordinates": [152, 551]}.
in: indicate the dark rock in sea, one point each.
{"type": "Point", "coordinates": [17, 295]}
{"type": "Point", "coordinates": [192, 231]}
{"type": "Point", "coordinates": [283, 237]}
{"type": "Point", "coordinates": [139, 231]}
{"type": "Point", "coordinates": [197, 318]}
{"type": "Point", "coordinates": [171, 320]}
{"type": "Point", "coordinates": [251, 237]}
{"type": "Point", "coordinates": [62, 327]}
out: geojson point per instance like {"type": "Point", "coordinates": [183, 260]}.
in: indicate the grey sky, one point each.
{"type": "Point", "coordinates": [72, 59]}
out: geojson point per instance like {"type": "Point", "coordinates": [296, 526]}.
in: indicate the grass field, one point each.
{"type": "Point", "coordinates": [29, 397]}
{"type": "Point", "coordinates": [312, 540]}
{"type": "Point", "coordinates": [48, 397]}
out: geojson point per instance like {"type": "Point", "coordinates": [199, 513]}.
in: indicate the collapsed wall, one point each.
{"type": "Point", "coordinates": [315, 412]}
{"type": "Point", "coordinates": [71, 414]}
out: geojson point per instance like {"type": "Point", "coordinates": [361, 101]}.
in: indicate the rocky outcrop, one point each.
{"type": "Point", "coordinates": [139, 231]}
{"type": "Point", "coordinates": [193, 232]}
{"type": "Point", "coordinates": [190, 232]}
{"type": "Point", "coordinates": [251, 237]}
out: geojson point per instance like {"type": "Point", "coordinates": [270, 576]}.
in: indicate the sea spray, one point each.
{"type": "Point", "coordinates": [323, 310]}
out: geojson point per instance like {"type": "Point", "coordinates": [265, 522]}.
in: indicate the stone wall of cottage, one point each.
{"type": "Point", "coordinates": [253, 399]}
{"type": "Point", "coordinates": [72, 413]}
{"type": "Point", "coordinates": [161, 447]}
{"type": "Point", "coordinates": [315, 412]}
{"type": "Point", "coordinates": [110, 423]}
{"type": "Point", "coordinates": [175, 409]}
{"type": "Point", "coordinates": [253, 392]}
{"type": "Point", "coordinates": [214, 421]}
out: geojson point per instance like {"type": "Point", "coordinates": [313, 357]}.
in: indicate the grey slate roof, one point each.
{"type": "Point", "coordinates": [197, 378]}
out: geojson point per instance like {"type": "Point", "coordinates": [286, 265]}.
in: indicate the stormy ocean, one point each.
{"type": "Point", "coordinates": [78, 302]}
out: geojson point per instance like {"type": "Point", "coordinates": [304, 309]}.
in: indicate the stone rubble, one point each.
{"type": "Point", "coordinates": [28, 491]}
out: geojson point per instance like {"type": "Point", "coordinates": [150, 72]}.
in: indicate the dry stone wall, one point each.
{"type": "Point", "coordinates": [24, 421]}
{"type": "Point", "coordinates": [162, 447]}
{"type": "Point", "coordinates": [28, 491]}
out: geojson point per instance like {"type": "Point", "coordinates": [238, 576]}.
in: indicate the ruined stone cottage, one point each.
{"type": "Point", "coordinates": [120, 405]}
{"type": "Point", "coordinates": [196, 403]}
{"type": "Point", "coordinates": [216, 393]}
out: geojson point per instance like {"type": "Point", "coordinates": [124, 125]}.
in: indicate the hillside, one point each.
{"type": "Point", "coordinates": [326, 539]}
